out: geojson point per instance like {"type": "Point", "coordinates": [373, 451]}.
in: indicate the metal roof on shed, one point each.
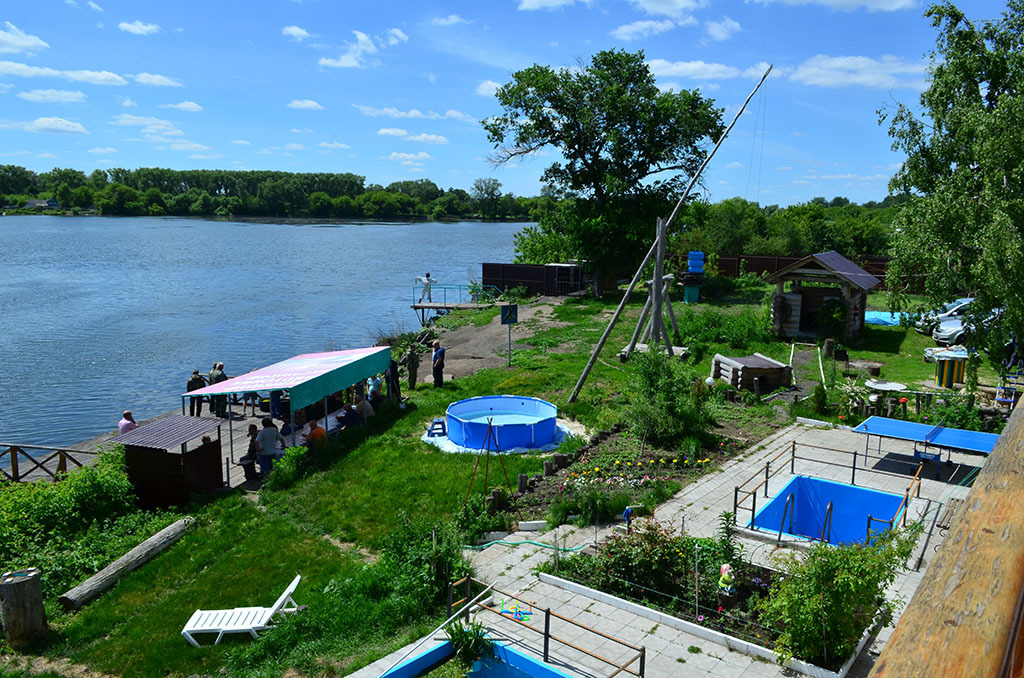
{"type": "Point", "coordinates": [168, 432]}
{"type": "Point", "coordinates": [836, 263]}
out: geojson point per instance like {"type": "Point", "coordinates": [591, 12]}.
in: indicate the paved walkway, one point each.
{"type": "Point", "coordinates": [672, 653]}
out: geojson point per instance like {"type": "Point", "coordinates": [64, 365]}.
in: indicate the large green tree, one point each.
{"type": "Point", "coordinates": [963, 229]}
{"type": "Point", "coordinates": [624, 143]}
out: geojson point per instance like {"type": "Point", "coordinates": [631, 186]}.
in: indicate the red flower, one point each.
{"type": "Point", "coordinates": [842, 417]}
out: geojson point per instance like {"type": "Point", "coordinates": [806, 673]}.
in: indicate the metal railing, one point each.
{"type": "Point", "coordinates": [786, 456]}
{"type": "Point", "coordinates": [466, 583]}
{"type": "Point", "coordinates": [13, 459]}
{"type": "Point", "coordinates": [452, 295]}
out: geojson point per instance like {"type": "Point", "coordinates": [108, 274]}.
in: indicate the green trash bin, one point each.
{"type": "Point", "coordinates": [691, 294]}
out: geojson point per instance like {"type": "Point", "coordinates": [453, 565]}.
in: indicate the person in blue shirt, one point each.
{"type": "Point", "coordinates": [373, 385]}
{"type": "Point", "coordinates": [438, 363]}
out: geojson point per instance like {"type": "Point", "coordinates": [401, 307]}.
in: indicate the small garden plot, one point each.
{"type": "Point", "coordinates": [814, 607]}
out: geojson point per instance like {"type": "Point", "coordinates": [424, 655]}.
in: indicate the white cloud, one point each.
{"type": "Point", "coordinates": [449, 20]}
{"type": "Point", "coordinates": [855, 177]}
{"type": "Point", "coordinates": [395, 36]}
{"type": "Point", "coordinates": [722, 30]}
{"type": "Point", "coordinates": [888, 72]}
{"type": "Point", "coordinates": [692, 69]}
{"type": "Point", "coordinates": [55, 126]}
{"type": "Point", "coordinates": [61, 96]}
{"type": "Point", "coordinates": [152, 129]}
{"type": "Point", "coordinates": [296, 33]}
{"type": "Point", "coordinates": [92, 77]}
{"type": "Point", "coordinates": [138, 28]}
{"type": "Point", "coordinates": [205, 156]}
{"type": "Point", "coordinates": [642, 29]}
{"type": "Point", "coordinates": [307, 104]}
{"type": "Point", "coordinates": [410, 159]}
{"type": "Point", "coordinates": [304, 130]}
{"type": "Point", "coordinates": [187, 106]}
{"type": "Point", "coordinates": [850, 5]}
{"type": "Point", "coordinates": [14, 40]}
{"type": "Point", "coordinates": [676, 9]}
{"type": "Point", "coordinates": [428, 138]}
{"type": "Point", "coordinates": [487, 88]}
{"type": "Point", "coordinates": [94, 7]}
{"type": "Point", "coordinates": [392, 132]}
{"type": "Point", "coordinates": [185, 145]}
{"type": "Point", "coordinates": [431, 78]}
{"type": "Point", "coordinates": [734, 165]}
{"type": "Point", "coordinates": [127, 102]}
{"type": "Point", "coordinates": [156, 80]}
{"type": "Point", "coordinates": [784, 168]}
{"type": "Point", "coordinates": [102, 151]}
{"type": "Point", "coordinates": [333, 144]}
{"type": "Point", "coordinates": [240, 142]}
{"type": "Point", "coordinates": [294, 147]}
{"type": "Point", "coordinates": [46, 155]}
{"type": "Point", "coordinates": [530, 5]}
{"type": "Point", "coordinates": [392, 112]}
{"type": "Point", "coordinates": [355, 53]}
{"type": "Point", "coordinates": [5, 87]}
{"type": "Point", "coordinates": [71, 3]}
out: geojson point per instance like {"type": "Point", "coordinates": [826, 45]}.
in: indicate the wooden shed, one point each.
{"type": "Point", "coordinates": [741, 372]}
{"type": "Point", "coordinates": [814, 280]}
{"type": "Point", "coordinates": [163, 463]}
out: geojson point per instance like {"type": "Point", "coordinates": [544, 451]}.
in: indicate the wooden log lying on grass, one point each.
{"type": "Point", "coordinates": [93, 587]}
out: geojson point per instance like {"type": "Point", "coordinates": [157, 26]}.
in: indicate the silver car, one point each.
{"type": "Point", "coordinates": [931, 319]}
{"type": "Point", "coordinates": [952, 332]}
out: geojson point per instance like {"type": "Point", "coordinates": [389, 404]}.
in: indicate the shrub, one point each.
{"type": "Point", "coordinates": [473, 519]}
{"type": "Point", "coordinates": [669, 404]}
{"type": "Point", "coordinates": [819, 399]}
{"type": "Point", "coordinates": [288, 469]}
{"type": "Point", "coordinates": [825, 602]}
{"type": "Point", "coordinates": [470, 642]}
{"type": "Point", "coordinates": [832, 319]}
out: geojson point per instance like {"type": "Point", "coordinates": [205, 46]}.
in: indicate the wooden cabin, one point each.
{"type": "Point", "coordinates": [814, 280]}
{"type": "Point", "coordinates": [757, 373]}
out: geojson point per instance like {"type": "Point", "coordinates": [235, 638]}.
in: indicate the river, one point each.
{"type": "Point", "coordinates": [103, 314]}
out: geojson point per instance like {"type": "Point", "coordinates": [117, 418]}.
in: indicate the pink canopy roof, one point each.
{"type": "Point", "coordinates": [308, 377]}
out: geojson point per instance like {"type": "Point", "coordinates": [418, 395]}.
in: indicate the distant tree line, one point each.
{"type": "Point", "coordinates": [155, 191]}
{"type": "Point", "coordinates": [738, 226]}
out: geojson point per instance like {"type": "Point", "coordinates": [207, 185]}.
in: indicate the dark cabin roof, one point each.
{"type": "Point", "coordinates": [168, 432]}
{"type": "Point", "coordinates": [835, 263]}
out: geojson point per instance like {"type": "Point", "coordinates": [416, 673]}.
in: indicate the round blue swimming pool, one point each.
{"type": "Point", "coordinates": [518, 422]}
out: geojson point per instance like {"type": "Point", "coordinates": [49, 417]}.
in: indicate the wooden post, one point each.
{"type": "Point", "coordinates": [14, 463]}
{"type": "Point", "coordinates": [639, 325]}
{"type": "Point", "coordinates": [657, 286]}
{"type": "Point", "coordinates": [21, 604]}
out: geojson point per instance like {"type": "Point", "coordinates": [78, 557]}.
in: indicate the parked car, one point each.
{"type": "Point", "coordinates": [931, 319]}
{"type": "Point", "coordinates": [953, 331]}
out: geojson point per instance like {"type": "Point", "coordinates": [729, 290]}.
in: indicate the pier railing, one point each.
{"type": "Point", "coordinates": [452, 295]}
{"type": "Point", "coordinates": [20, 463]}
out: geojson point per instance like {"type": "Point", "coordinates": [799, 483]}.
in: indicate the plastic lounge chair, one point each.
{"type": "Point", "coordinates": [241, 619]}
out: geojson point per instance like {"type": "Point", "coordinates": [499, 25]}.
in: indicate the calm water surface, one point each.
{"type": "Point", "coordinates": [102, 314]}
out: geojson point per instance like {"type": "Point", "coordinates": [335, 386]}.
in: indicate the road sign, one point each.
{"type": "Point", "coordinates": [510, 314]}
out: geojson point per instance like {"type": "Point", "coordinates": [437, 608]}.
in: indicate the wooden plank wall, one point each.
{"type": "Point", "coordinates": [965, 615]}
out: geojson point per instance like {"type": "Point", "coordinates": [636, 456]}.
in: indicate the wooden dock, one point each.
{"type": "Point", "coordinates": [424, 308]}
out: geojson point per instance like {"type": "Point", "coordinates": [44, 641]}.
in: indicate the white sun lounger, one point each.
{"type": "Point", "coordinates": [241, 619]}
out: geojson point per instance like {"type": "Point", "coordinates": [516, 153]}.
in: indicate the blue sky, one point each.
{"type": "Point", "coordinates": [395, 90]}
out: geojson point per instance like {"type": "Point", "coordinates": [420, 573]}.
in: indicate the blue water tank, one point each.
{"type": "Point", "coordinates": [695, 262]}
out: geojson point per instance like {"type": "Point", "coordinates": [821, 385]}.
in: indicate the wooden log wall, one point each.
{"type": "Point", "coordinates": [965, 619]}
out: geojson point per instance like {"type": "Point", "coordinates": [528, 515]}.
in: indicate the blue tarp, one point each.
{"type": "Point", "coordinates": [883, 318]}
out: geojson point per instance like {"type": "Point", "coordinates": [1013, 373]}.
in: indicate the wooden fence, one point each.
{"type": "Point", "coordinates": [20, 463]}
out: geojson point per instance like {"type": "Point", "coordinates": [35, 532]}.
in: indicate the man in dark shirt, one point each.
{"type": "Point", "coordinates": [195, 405]}
{"type": "Point", "coordinates": [438, 362]}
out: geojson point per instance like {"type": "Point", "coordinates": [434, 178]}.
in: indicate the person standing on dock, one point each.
{"type": "Point", "coordinates": [438, 364]}
{"type": "Point", "coordinates": [412, 363]}
{"type": "Point", "coordinates": [127, 423]}
{"type": "Point", "coordinates": [427, 282]}
{"type": "Point", "coordinates": [195, 405]}
{"type": "Point", "coordinates": [220, 401]}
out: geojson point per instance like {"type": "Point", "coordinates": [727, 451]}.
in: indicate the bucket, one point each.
{"type": "Point", "coordinates": [949, 371]}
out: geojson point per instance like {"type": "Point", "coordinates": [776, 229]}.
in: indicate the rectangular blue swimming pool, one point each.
{"type": "Point", "coordinates": [851, 507]}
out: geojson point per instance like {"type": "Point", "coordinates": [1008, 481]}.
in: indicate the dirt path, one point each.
{"type": "Point", "coordinates": [473, 348]}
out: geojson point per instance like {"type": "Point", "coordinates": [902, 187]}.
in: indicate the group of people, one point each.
{"type": "Point", "coordinates": [218, 403]}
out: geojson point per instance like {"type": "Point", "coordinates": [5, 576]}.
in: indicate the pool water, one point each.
{"type": "Point", "coordinates": [805, 517]}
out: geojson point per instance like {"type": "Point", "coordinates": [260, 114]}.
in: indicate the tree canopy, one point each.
{"type": "Point", "coordinates": [618, 136]}
{"type": "Point", "coordinates": [612, 124]}
{"type": "Point", "coordinates": [962, 230]}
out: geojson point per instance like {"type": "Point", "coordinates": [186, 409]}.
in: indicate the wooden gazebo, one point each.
{"type": "Point", "coordinates": [814, 280]}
